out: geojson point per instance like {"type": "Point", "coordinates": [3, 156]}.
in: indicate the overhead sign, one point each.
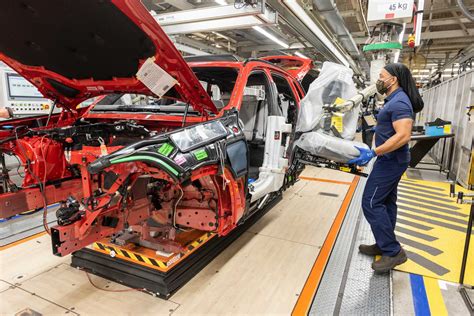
{"type": "Point", "coordinates": [400, 11]}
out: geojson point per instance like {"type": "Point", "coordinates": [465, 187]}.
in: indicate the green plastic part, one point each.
{"type": "Point", "coordinates": [382, 46]}
{"type": "Point", "coordinates": [149, 158]}
{"type": "Point", "coordinates": [166, 149]}
{"type": "Point", "coordinates": [200, 154]}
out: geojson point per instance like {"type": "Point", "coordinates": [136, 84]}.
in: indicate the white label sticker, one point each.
{"type": "Point", "coordinates": [155, 78]}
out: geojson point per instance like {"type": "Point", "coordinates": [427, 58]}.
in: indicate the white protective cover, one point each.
{"type": "Point", "coordinates": [334, 81]}
{"type": "Point", "coordinates": [329, 147]}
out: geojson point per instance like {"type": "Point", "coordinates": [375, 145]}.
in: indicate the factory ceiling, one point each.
{"type": "Point", "coordinates": [447, 35]}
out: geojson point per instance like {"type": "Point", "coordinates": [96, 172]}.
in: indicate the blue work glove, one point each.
{"type": "Point", "coordinates": [366, 155]}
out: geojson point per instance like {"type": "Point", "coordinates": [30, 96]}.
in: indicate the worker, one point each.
{"type": "Point", "coordinates": [392, 134]}
{"type": "Point", "coordinates": [6, 113]}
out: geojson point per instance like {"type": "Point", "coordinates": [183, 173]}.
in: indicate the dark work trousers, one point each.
{"type": "Point", "coordinates": [379, 202]}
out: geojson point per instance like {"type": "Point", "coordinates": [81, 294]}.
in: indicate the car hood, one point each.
{"type": "Point", "coordinates": [74, 50]}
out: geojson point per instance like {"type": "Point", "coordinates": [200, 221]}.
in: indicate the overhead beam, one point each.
{"type": "Point", "coordinates": [199, 45]}
{"type": "Point", "coordinates": [212, 38]}
{"type": "Point", "coordinates": [456, 16]}
{"type": "Point", "coordinates": [267, 47]}
{"type": "Point", "coordinates": [190, 50]}
{"type": "Point", "coordinates": [445, 48]}
{"type": "Point", "coordinates": [301, 28]}
{"type": "Point", "coordinates": [247, 36]}
{"type": "Point", "coordinates": [358, 16]}
{"type": "Point", "coordinates": [446, 21]}
{"type": "Point", "coordinates": [446, 34]}
{"type": "Point", "coordinates": [179, 4]}
{"type": "Point", "coordinates": [447, 9]}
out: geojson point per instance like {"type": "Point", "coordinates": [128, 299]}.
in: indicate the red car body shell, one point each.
{"type": "Point", "coordinates": [51, 168]}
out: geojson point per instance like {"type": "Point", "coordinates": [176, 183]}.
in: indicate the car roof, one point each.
{"type": "Point", "coordinates": [220, 61]}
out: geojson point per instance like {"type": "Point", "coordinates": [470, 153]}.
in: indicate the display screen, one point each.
{"type": "Point", "coordinates": [199, 135]}
{"type": "Point", "coordinates": [19, 87]}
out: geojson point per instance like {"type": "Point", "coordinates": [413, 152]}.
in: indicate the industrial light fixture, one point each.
{"type": "Point", "coordinates": [400, 39]}
{"type": "Point", "coordinates": [216, 18]}
{"type": "Point", "coordinates": [271, 37]}
{"type": "Point", "coordinates": [419, 22]}
{"type": "Point", "coordinates": [300, 55]}
{"type": "Point", "coordinates": [306, 19]}
{"type": "Point", "coordinates": [216, 25]}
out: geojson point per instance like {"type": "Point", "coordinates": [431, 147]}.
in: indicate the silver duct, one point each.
{"type": "Point", "coordinates": [465, 10]}
{"type": "Point", "coordinates": [328, 9]}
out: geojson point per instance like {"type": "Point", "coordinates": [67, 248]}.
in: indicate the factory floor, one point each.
{"type": "Point", "coordinates": [442, 297]}
{"type": "Point", "coordinates": [281, 265]}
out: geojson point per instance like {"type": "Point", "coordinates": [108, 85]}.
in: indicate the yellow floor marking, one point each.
{"type": "Point", "coordinates": [442, 257]}
{"type": "Point", "coordinates": [435, 298]}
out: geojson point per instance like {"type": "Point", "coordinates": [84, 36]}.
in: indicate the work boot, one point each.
{"type": "Point", "coordinates": [386, 263]}
{"type": "Point", "coordinates": [370, 250]}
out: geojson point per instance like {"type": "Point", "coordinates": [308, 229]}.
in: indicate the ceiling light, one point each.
{"type": "Point", "coordinates": [221, 2]}
{"type": "Point", "coordinates": [419, 21]}
{"type": "Point", "coordinates": [402, 33]}
{"type": "Point", "coordinates": [396, 56]}
{"type": "Point", "coordinates": [400, 39]}
{"type": "Point", "coordinates": [306, 19]}
{"type": "Point", "coordinates": [300, 55]}
{"type": "Point", "coordinates": [190, 50]}
{"type": "Point", "coordinates": [271, 37]}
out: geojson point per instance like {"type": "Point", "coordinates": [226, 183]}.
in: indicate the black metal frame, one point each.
{"type": "Point", "coordinates": [425, 143]}
{"type": "Point", "coordinates": [463, 290]}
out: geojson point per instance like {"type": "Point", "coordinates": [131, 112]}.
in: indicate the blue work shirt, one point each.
{"type": "Point", "coordinates": [397, 106]}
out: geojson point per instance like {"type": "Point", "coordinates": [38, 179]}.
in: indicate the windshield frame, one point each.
{"type": "Point", "coordinates": [224, 66]}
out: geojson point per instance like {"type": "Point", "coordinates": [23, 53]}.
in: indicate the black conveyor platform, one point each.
{"type": "Point", "coordinates": [154, 281]}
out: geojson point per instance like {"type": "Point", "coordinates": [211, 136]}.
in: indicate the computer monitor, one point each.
{"type": "Point", "coordinates": [20, 88]}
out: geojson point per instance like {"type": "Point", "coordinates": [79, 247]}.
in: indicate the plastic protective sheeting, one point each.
{"type": "Point", "coordinates": [329, 147]}
{"type": "Point", "coordinates": [334, 81]}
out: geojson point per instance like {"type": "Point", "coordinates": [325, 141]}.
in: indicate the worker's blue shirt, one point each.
{"type": "Point", "coordinates": [397, 106]}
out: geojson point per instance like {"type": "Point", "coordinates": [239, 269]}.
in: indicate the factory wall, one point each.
{"type": "Point", "coordinates": [449, 101]}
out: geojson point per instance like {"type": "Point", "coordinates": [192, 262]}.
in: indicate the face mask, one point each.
{"type": "Point", "coordinates": [380, 85]}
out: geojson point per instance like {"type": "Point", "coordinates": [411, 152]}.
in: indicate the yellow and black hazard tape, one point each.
{"type": "Point", "coordinates": [117, 251]}
{"type": "Point", "coordinates": [198, 242]}
{"type": "Point", "coordinates": [146, 260]}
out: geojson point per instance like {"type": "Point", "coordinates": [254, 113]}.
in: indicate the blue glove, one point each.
{"type": "Point", "coordinates": [366, 155]}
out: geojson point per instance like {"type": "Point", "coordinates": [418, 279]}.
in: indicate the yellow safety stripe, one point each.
{"type": "Point", "coordinates": [435, 297]}
{"type": "Point", "coordinates": [153, 262]}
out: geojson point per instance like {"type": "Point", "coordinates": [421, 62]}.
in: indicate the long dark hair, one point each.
{"type": "Point", "coordinates": [406, 81]}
